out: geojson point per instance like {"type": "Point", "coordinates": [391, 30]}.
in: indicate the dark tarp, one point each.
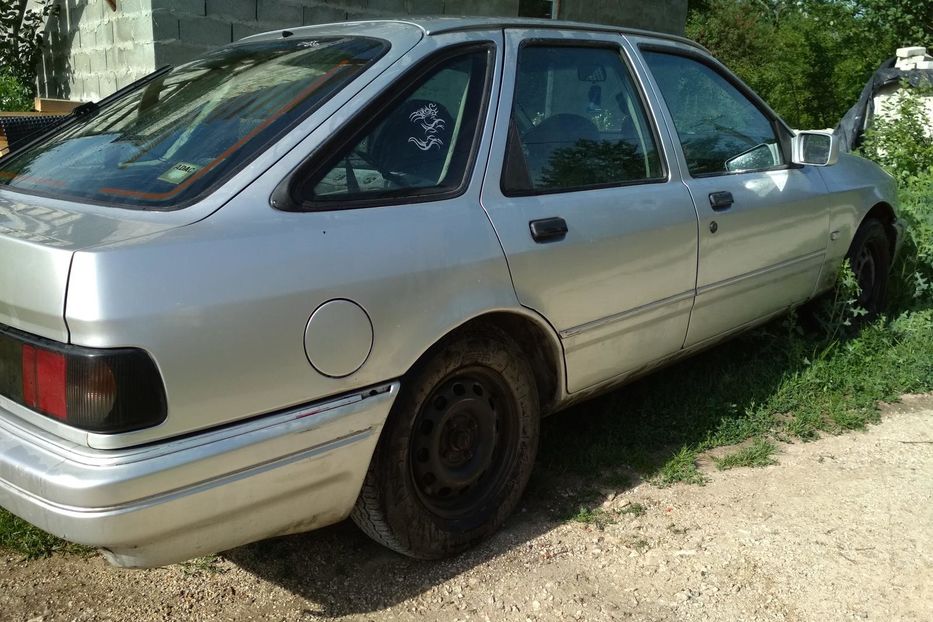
{"type": "Point", "coordinates": [850, 129]}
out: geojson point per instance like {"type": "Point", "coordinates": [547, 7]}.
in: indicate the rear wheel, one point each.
{"type": "Point", "coordinates": [457, 450]}
{"type": "Point", "coordinates": [870, 260]}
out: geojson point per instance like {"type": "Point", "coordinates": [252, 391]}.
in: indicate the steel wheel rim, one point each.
{"type": "Point", "coordinates": [462, 441]}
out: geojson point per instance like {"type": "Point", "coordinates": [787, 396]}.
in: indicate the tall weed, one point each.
{"type": "Point", "coordinates": [912, 278]}
{"type": "Point", "coordinates": [901, 141]}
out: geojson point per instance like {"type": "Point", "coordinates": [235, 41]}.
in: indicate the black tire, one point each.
{"type": "Point", "coordinates": [870, 259]}
{"type": "Point", "coordinates": [457, 449]}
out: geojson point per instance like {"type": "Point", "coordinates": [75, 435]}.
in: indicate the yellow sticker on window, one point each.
{"type": "Point", "coordinates": [179, 173]}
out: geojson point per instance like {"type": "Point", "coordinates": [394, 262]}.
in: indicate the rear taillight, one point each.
{"type": "Point", "coordinates": [109, 391]}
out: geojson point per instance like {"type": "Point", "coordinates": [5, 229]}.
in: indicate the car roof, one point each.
{"type": "Point", "coordinates": [441, 25]}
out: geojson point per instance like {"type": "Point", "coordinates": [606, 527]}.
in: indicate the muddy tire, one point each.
{"type": "Point", "coordinates": [457, 449]}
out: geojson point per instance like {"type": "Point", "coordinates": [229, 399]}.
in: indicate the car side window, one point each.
{"type": "Point", "coordinates": [720, 129]}
{"type": "Point", "coordinates": [421, 145]}
{"type": "Point", "coordinates": [577, 123]}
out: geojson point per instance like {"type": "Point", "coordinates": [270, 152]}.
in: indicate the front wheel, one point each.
{"type": "Point", "coordinates": [870, 260]}
{"type": "Point", "coordinates": [457, 449]}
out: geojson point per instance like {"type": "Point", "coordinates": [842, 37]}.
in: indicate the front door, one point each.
{"type": "Point", "coordinates": [764, 222]}
{"type": "Point", "coordinates": [600, 239]}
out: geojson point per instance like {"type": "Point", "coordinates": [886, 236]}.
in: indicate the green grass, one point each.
{"type": "Point", "coordinates": [199, 566]}
{"type": "Point", "coordinates": [681, 467]}
{"type": "Point", "coordinates": [19, 536]}
{"type": "Point", "coordinates": [632, 509]}
{"type": "Point", "coordinates": [596, 517]}
{"type": "Point", "coordinates": [600, 518]}
{"type": "Point", "coordinates": [759, 453]}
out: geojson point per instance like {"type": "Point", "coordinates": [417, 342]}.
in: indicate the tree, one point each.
{"type": "Point", "coordinates": [21, 39]}
{"type": "Point", "coordinates": [909, 22]}
{"type": "Point", "coordinates": [809, 59]}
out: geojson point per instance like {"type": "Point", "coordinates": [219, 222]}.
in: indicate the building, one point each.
{"type": "Point", "coordinates": [97, 46]}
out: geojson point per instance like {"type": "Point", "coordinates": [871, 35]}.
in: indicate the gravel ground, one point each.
{"type": "Point", "coordinates": [840, 529]}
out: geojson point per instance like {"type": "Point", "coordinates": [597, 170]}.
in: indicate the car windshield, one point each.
{"type": "Point", "coordinates": [166, 143]}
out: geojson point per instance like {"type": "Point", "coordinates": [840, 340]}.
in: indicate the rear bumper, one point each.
{"type": "Point", "coordinates": [167, 502]}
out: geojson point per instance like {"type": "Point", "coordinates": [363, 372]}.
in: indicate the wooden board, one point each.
{"type": "Point", "coordinates": [55, 106]}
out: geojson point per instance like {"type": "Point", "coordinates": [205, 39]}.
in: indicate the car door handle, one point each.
{"type": "Point", "coordinates": [548, 229]}
{"type": "Point", "coordinates": [720, 201]}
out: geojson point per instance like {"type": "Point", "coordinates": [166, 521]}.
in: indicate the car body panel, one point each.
{"type": "Point", "coordinates": [227, 352]}
{"type": "Point", "coordinates": [40, 235]}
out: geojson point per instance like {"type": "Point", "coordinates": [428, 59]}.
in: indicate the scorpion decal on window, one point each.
{"type": "Point", "coordinates": [426, 116]}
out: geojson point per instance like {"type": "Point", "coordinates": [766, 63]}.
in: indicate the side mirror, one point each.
{"type": "Point", "coordinates": [815, 148]}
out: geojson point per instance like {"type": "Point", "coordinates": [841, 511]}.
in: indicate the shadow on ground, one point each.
{"type": "Point", "coordinates": [603, 446]}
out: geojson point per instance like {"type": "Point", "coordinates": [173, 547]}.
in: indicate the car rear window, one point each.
{"type": "Point", "coordinates": [167, 143]}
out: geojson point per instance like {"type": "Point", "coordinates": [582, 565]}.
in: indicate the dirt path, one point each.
{"type": "Point", "coordinates": [840, 529]}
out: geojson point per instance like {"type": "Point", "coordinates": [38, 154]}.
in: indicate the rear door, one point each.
{"type": "Point", "coordinates": [764, 222]}
{"type": "Point", "coordinates": [600, 237]}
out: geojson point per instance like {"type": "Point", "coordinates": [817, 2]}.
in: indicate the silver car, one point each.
{"type": "Point", "coordinates": [344, 270]}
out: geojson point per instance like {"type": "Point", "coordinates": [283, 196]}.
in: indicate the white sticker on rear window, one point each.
{"type": "Point", "coordinates": [179, 173]}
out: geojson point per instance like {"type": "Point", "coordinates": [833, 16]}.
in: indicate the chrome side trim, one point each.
{"type": "Point", "coordinates": [820, 254]}
{"type": "Point", "coordinates": [619, 380]}
{"type": "Point", "coordinates": [626, 315]}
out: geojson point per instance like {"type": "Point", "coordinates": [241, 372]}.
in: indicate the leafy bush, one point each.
{"type": "Point", "coordinates": [21, 39]}
{"type": "Point", "coordinates": [901, 141]}
{"type": "Point", "coordinates": [13, 94]}
{"type": "Point", "coordinates": [908, 21]}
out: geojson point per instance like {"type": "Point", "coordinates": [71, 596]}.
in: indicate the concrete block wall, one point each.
{"type": "Point", "coordinates": [93, 51]}
{"type": "Point", "coordinates": [185, 28]}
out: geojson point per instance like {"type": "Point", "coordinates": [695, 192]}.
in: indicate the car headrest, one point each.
{"type": "Point", "coordinates": [414, 140]}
